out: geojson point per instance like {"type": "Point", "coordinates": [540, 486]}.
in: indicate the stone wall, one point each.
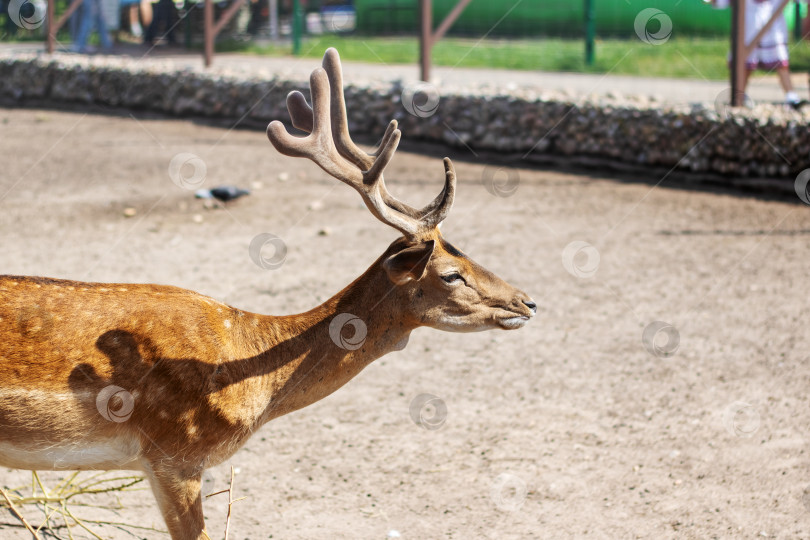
{"type": "Point", "coordinates": [767, 141]}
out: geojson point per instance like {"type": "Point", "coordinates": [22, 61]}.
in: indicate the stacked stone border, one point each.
{"type": "Point", "coordinates": [763, 142]}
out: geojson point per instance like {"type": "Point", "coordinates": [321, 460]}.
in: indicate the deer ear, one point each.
{"type": "Point", "coordinates": [410, 263]}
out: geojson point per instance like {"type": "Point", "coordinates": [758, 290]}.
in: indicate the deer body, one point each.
{"type": "Point", "coordinates": [170, 382]}
{"type": "Point", "coordinates": [193, 366]}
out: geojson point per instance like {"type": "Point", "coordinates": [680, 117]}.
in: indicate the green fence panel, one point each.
{"type": "Point", "coordinates": [534, 18]}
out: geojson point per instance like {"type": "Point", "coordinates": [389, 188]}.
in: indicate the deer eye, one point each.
{"type": "Point", "coordinates": [452, 278]}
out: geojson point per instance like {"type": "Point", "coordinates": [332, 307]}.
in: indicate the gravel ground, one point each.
{"type": "Point", "coordinates": [570, 427]}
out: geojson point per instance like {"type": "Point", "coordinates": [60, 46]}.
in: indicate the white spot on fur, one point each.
{"type": "Point", "coordinates": [227, 323]}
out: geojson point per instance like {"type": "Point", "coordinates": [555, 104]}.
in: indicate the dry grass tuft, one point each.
{"type": "Point", "coordinates": [58, 505]}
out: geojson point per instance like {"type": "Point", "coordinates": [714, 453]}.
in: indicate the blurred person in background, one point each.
{"type": "Point", "coordinates": [136, 12]}
{"type": "Point", "coordinates": [89, 17]}
{"type": "Point", "coordinates": [9, 28]}
{"type": "Point", "coordinates": [771, 53]}
{"type": "Point", "coordinates": [164, 19]}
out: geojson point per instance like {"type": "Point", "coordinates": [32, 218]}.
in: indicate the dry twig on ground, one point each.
{"type": "Point", "coordinates": [231, 500]}
{"type": "Point", "coordinates": [72, 491]}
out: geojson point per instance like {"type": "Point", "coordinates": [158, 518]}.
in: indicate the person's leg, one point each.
{"type": "Point", "coordinates": [784, 78]}
{"type": "Point", "coordinates": [171, 21]}
{"type": "Point", "coordinates": [149, 28]}
{"type": "Point", "coordinates": [746, 77]}
{"type": "Point", "coordinates": [73, 23]}
{"type": "Point", "coordinates": [158, 20]}
{"type": "Point", "coordinates": [84, 25]}
{"type": "Point", "coordinates": [163, 19]}
{"type": "Point", "coordinates": [791, 97]}
{"type": "Point", "coordinates": [146, 13]}
{"type": "Point", "coordinates": [134, 21]}
{"type": "Point", "coordinates": [101, 25]}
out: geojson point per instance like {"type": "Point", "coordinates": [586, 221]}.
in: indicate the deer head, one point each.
{"type": "Point", "coordinates": [445, 289]}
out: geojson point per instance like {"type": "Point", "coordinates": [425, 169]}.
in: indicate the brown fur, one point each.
{"type": "Point", "coordinates": [201, 387]}
{"type": "Point", "coordinates": [167, 381]}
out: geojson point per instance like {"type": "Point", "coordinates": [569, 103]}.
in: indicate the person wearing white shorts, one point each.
{"type": "Point", "coordinates": [771, 53]}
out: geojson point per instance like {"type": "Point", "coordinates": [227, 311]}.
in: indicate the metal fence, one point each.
{"type": "Point", "coordinates": [540, 18]}
{"type": "Point", "coordinates": [495, 19]}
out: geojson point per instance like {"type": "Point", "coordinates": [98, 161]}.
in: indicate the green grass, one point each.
{"type": "Point", "coordinates": [681, 58]}
{"type": "Point", "coordinates": [696, 58]}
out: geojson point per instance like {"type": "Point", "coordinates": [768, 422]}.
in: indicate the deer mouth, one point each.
{"type": "Point", "coordinates": [513, 323]}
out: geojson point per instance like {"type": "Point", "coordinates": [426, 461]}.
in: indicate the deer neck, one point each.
{"type": "Point", "coordinates": [308, 356]}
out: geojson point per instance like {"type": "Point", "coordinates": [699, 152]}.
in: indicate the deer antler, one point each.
{"type": "Point", "coordinates": [330, 146]}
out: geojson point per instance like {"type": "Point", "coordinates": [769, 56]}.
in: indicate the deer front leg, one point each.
{"type": "Point", "coordinates": [180, 501]}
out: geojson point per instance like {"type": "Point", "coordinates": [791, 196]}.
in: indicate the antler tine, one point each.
{"type": "Point", "coordinates": [300, 111]}
{"type": "Point", "coordinates": [374, 192]}
{"type": "Point", "coordinates": [318, 145]}
{"type": "Point", "coordinates": [347, 147]}
{"type": "Point", "coordinates": [329, 145]}
{"type": "Point", "coordinates": [301, 115]}
{"type": "Point", "coordinates": [389, 130]}
{"type": "Point", "coordinates": [340, 121]}
{"type": "Point", "coordinates": [444, 202]}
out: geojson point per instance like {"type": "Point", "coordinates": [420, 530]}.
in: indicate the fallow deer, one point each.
{"type": "Point", "coordinates": [169, 382]}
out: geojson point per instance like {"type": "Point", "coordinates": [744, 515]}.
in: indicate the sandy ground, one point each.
{"type": "Point", "coordinates": [567, 428]}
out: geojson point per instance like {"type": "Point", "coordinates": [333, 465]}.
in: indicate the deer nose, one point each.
{"type": "Point", "coordinates": [531, 305]}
